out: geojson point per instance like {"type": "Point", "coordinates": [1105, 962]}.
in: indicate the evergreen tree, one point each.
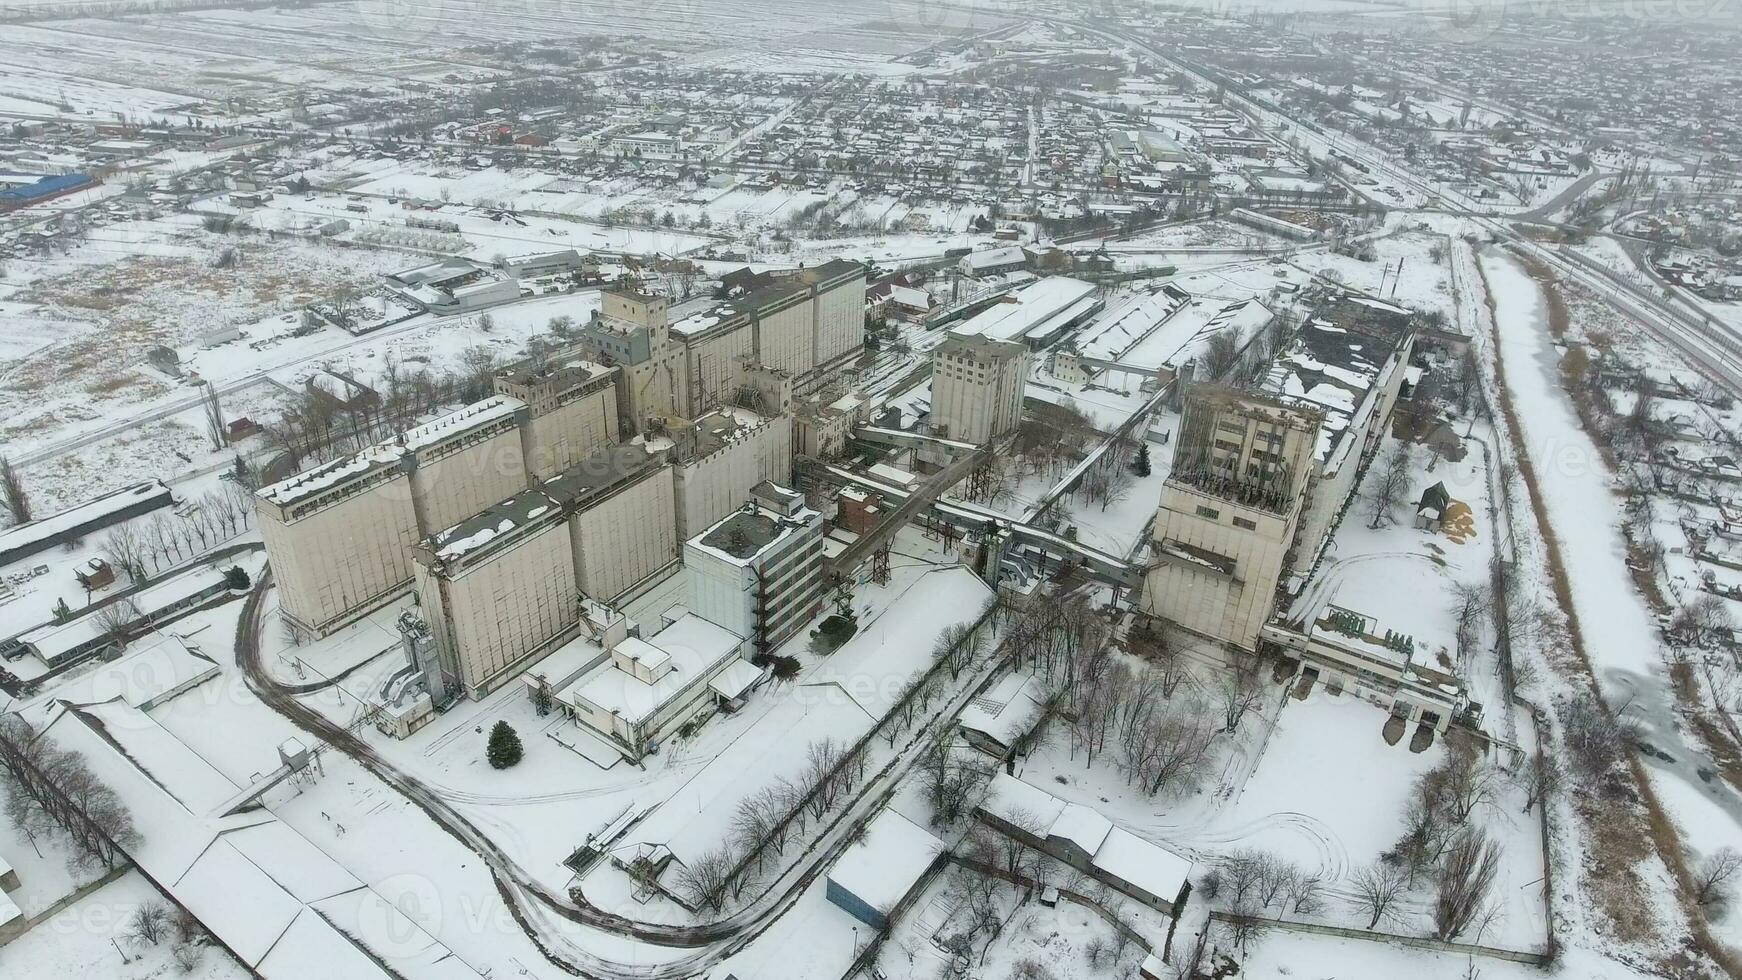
{"type": "Point", "coordinates": [541, 700]}
{"type": "Point", "coordinates": [504, 749]}
{"type": "Point", "coordinates": [1140, 465]}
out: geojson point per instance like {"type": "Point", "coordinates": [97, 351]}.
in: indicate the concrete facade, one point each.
{"type": "Point", "coordinates": [977, 387]}
{"type": "Point", "coordinates": [341, 536]}
{"type": "Point", "coordinates": [572, 412]}
{"type": "Point", "coordinates": [721, 456]}
{"type": "Point", "coordinates": [494, 605]}
{"type": "Point", "coordinates": [758, 572]}
{"type": "Point", "coordinates": [1228, 513]}
{"type": "Point", "coordinates": [625, 537]}
{"type": "Point", "coordinates": [340, 543]}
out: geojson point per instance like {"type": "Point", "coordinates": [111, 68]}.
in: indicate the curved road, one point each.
{"type": "Point", "coordinates": [530, 900]}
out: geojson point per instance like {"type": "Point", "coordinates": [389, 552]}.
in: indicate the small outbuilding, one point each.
{"type": "Point", "coordinates": [877, 876]}
{"type": "Point", "coordinates": [1430, 510]}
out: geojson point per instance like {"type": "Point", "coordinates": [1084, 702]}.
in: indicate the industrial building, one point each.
{"type": "Point", "coordinates": [455, 285]}
{"type": "Point", "coordinates": [645, 690]}
{"type": "Point", "coordinates": [720, 457]}
{"type": "Point", "coordinates": [977, 387]}
{"type": "Point", "coordinates": [880, 874]}
{"type": "Point", "coordinates": [1261, 477]}
{"type": "Point", "coordinates": [807, 325]}
{"type": "Point", "coordinates": [81, 520]}
{"type": "Point", "coordinates": [1229, 511]}
{"type": "Point", "coordinates": [341, 535]}
{"type": "Point", "coordinates": [759, 572]}
{"type": "Point", "coordinates": [1036, 314]}
{"type": "Point", "coordinates": [502, 587]}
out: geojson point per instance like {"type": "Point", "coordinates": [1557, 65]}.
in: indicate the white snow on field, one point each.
{"type": "Point", "coordinates": [90, 937]}
{"type": "Point", "coordinates": [1619, 634]}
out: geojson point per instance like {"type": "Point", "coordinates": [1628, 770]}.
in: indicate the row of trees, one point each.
{"type": "Point", "coordinates": [317, 427]}
{"type": "Point", "coordinates": [53, 793]}
{"type": "Point", "coordinates": [13, 496]}
{"type": "Point", "coordinates": [767, 820]}
{"type": "Point", "coordinates": [167, 538]}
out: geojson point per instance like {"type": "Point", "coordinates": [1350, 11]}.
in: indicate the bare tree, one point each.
{"type": "Point", "coordinates": [1304, 893]}
{"type": "Point", "coordinates": [1170, 750]}
{"type": "Point", "coordinates": [1240, 874]}
{"type": "Point", "coordinates": [1389, 484]}
{"type": "Point", "coordinates": [1471, 864]}
{"type": "Point", "coordinates": [1238, 692]}
{"type": "Point", "coordinates": [1376, 890]}
{"type": "Point", "coordinates": [187, 956]}
{"type": "Point", "coordinates": [223, 508]}
{"type": "Point", "coordinates": [12, 492]}
{"type": "Point", "coordinates": [149, 923]}
{"type": "Point", "coordinates": [1595, 740]}
{"type": "Point", "coordinates": [126, 550]}
{"type": "Point", "coordinates": [115, 619]}
{"type": "Point", "coordinates": [1712, 879]}
{"type": "Point", "coordinates": [1540, 780]}
{"type": "Point", "coordinates": [1470, 606]}
{"type": "Point", "coordinates": [958, 646]}
{"type": "Point", "coordinates": [1221, 355]}
{"type": "Point", "coordinates": [479, 370]}
{"type": "Point", "coordinates": [951, 782]}
{"type": "Point", "coordinates": [703, 881]}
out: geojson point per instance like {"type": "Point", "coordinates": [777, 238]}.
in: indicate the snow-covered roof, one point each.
{"type": "Point", "coordinates": [1027, 310]}
{"type": "Point", "coordinates": [1017, 802]}
{"type": "Point", "coordinates": [897, 642]}
{"type": "Point", "coordinates": [152, 667]}
{"type": "Point", "coordinates": [687, 651]}
{"type": "Point", "coordinates": [1153, 868]}
{"type": "Point", "coordinates": [461, 421]}
{"type": "Point", "coordinates": [248, 878]}
{"type": "Point", "coordinates": [1128, 325]}
{"type": "Point", "coordinates": [499, 520]}
{"type": "Point", "coordinates": [330, 474]}
{"type": "Point", "coordinates": [884, 864]}
{"type": "Point", "coordinates": [25, 538]}
{"type": "Point", "coordinates": [1113, 849]}
{"type": "Point", "coordinates": [1081, 825]}
{"type": "Point", "coordinates": [1334, 364]}
{"type": "Point", "coordinates": [1004, 711]}
{"type": "Point", "coordinates": [738, 677]}
{"type": "Point", "coordinates": [991, 258]}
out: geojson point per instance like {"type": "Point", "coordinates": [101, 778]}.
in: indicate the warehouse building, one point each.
{"type": "Point", "coordinates": [1261, 477]}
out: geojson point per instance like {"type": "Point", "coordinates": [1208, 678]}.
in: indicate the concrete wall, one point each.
{"type": "Point", "coordinates": [493, 614]}
{"type": "Point", "coordinates": [715, 370]}
{"type": "Point", "coordinates": [786, 340]}
{"type": "Point", "coordinates": [450, 485]}
{"type": "Point", "coordinates": [569, 433]}
{"type": "Point", "coordinates": [627, 537]}
{"type": "Point", "coordinates": [1233, 607]}
{"type": "Point", "coordinates": [713, 486]}
{"type": "Point", "coordinates": [332, 565]}
{"type": "Point", "coordinates": [721, 592]}
{"type": "Point", "coordinates": [977, 399]}
{"type": "Point", "coordinates": [655, 388]}
{"type": "Point", "coordinates": [1338, 478]}
{"type": "Point", "coordinates": [840, 320]}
